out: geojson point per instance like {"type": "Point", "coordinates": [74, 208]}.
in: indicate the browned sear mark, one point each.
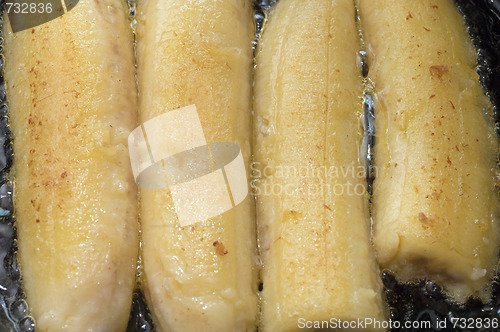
{"type": "Point", "coordinates": [327, 207]}
{"type": "Point", "coordinates": [438, 71]}
{"type": "Point", "coordinates": [422, 217]}
{"type": "Point", "coordinates": [425, 221]}
{"type": "Point", "coordinates": [64, 174]}
{"type": "Point", "coordinates": [219, 248]}
{"type": "Point", "coordinates": [409, 16]}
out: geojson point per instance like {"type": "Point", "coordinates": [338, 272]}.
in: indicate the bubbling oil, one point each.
{"type": "Point", "coordinates": [420, 301]}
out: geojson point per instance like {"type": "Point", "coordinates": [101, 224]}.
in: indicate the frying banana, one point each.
{"type": "Point", "coordinates": [199, 275]}
{"type": "Point", "coordinates": [313, 220]}
{"type": "Point", "coordinates": [72, 103]}
{"type": "Point", "coordinates": [435, 209]}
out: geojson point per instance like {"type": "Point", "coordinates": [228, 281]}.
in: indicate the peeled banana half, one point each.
{"type": "Point", "coordinates": [72, 101]}
{"type": "Point", "coordinates": [194, 67]}
{"type": "Point", "coordinates": [313, 220]}
{"type": "Point", "coordinates": [435, 209]}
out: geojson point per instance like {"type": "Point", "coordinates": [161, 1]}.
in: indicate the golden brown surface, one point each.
{"type": "Point", "coordinates": [198, 52]}
{"type": "Point", "coordinates": [72, 103]}
{"type": "Point", "coordinates": [312, 214]}
{"type": "Point", "coordinates": [434, 203]}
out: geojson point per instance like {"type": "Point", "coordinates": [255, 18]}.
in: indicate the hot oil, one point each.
{"type": "Point", "coordinates": [14, 310]}
{"type": "Point", "coordinates": [140, 317]}
{"type": "Point", "coordinates": [420, 301]}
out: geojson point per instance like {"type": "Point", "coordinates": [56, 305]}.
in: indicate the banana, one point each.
{"type": "Point", "coordinates": [72, 103]}
{"type": "Point", "coordinates": [199, 276]}
{"type": "Point", "coordinates": [313, 220]}
{"type": "Point", "coordinates": [434, 204]}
